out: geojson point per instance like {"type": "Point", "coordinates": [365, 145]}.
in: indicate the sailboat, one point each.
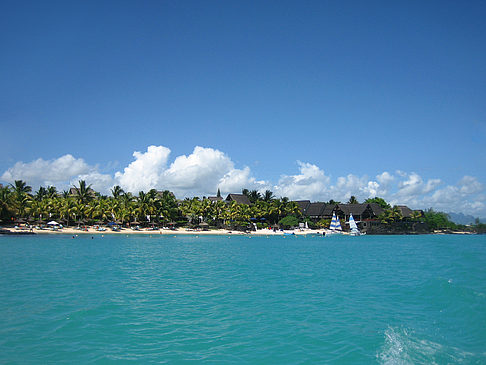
{"type": "Point", "coordinates": [354, 228]}
{"type": "Point", "coordinates": [335, 227]}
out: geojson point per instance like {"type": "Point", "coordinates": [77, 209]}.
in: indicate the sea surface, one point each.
{"type": "Point", "coordinates": [243, 300]}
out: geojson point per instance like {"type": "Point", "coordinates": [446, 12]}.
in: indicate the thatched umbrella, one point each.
{"type": "Point", "coordinates": [204, 226]}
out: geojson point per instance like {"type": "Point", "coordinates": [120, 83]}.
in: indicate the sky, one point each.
{"type": "Point", "coordinates": [313, 100]}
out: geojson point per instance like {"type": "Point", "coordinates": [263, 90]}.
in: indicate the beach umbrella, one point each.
{"type": "Point", "coordinates": [52, 223]}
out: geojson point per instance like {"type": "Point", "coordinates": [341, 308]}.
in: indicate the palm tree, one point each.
{"type": "Point", "coordinates": [40, 194]}
{"type": "Point", "coordinates": [22, 197]}
{"type": "Point", "coordinates": [84, 193]}
{"type": "Point", "coordinates": [117, 191]}
{"type": "Point", "coordinates": [146, 203]}
{"type": "Point", "coordinates": [6, 202]}
{"type": "Point", "coordinates": [51, 192]}
{"type": "Point", "coordinates": [353, 200]}
{"type": "Point", "coordinates": [254, 196]}
{"type": "Point", "coordinates": [21, 187]}
{"type": "Point", "coordinates": [268, 196]}
{"type": "Point", "coordinates": [67, 209]}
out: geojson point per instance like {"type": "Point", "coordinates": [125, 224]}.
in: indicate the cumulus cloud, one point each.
{"type": "Point", "coordinates": [201, 170]}
{"type": "Point", "coordinates": [200, 173]}
{"type": "Point", "coordinates": [57, 172]}
{"type": "Point", "coordinates": [235, 180]}
{"type": "Point", "coordinates": [311, 183]}
{"type": "Point", "coordinates": [205, 170]}
{"type": "Point", "coordinates": [144, 173]}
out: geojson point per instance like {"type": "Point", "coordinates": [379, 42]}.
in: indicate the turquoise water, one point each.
{"type": "Point", "coordinates": [236, 299]}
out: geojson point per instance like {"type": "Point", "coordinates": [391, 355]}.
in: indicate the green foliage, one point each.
{"type": "Point", "coordinates": [380, 201]}
{"type": "Point", "coordinates": [391, 215]}
{"type": "Point", "coordinates": [333, 202]}
{"type": "Point", "coordinates": [289, 221]}
{"type": "Point", "coordinates": [163, 207]}
{"type": "Point", "coordinates": [324, 223]}
{"type": "Point", "coordinates": [438, 220]}
{"type": "Point", "coordinates": [479, 227]}
{"type": "Point", "coordinates": [353, 200]}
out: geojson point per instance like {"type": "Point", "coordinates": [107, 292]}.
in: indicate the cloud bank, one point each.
{"type": "Point", "coordinates": [205, 170]}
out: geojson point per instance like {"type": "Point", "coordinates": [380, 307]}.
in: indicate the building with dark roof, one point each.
{"type": "Point", "coordinates": [238, 198]}
{"type": "Point", "coordinates": [360, 212]}
{"type": "Point", "coordinates": [302, 205]}
{"type": "Point", "coordinates": [215, 198]}
{"type": "Point", "coordinates": [405, 211]}
{"type": "Point", "coordinates": [74, 192]}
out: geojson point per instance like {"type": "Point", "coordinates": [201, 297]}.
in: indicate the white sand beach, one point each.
{"type": "Point", "coordinates": [178, 231]}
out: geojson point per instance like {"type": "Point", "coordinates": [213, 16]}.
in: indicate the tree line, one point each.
{"type": "Point", "coordinates": [82, 205]}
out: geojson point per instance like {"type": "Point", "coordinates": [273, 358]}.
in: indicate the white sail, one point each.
{"type": "Point", "coordinates": [335, 224]}
{"type": "Point", "coordinates": [353, 226]}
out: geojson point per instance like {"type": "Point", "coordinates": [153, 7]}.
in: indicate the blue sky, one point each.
{"type": "Point", "coordinates": [354, 89]}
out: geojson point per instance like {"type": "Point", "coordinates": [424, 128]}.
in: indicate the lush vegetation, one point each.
{"type": "Point", "coordinates": [83, 206]}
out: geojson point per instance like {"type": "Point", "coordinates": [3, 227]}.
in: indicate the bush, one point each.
{"type": "Point", "coordinates": [289, 222]}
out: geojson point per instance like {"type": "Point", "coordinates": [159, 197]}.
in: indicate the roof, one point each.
{"type": "Point", "coordinates": [238, 198]}
{"type": "Point", "coordinates": [315, 209]}
{"type": "Point", "coordinates": [376, 208]}
{"type": "Point", "coordinates": [353, 208]}
{"type": "Point", "coordinates": [328, 210]}
{"type": "Point", "coordinates": [215, 198]}
{"type": "Point", "coordinates": [406, 211]}
{"type": "Point", "coordinates": [359, 209]}
{"type": "Point", "coordinates": [303, 205]}
{"type": "Point", "coordinates": [74, 192]}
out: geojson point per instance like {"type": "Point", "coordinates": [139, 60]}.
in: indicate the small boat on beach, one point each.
{"type": "Point", "coordinates": [335, 227]}
{"type": "Point", "coordinates": [353, 227]}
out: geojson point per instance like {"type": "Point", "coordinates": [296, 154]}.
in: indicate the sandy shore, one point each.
{"type": "Point", "coordinates": [126, 231]}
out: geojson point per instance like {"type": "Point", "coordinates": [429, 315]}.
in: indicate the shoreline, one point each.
{"type": "Point", "coordinates": [183, 231]}
{"type": "Point", "coordinates": [179, 231]}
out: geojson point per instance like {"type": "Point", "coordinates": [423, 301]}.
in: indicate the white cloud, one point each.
{"type": "Point", "coordinates": [470, 185]}
{"type": "Point", "coordinates": [414, 186]}
{"type": "Point", "coordinates": [57, 172]}
{"type": "Point", "coordinates": [200, 173]}
{"type": "Point", "coordinates": [235, 180]}
{"type": "Point", "coordinates": [144, 173]}
{"type": "Point", "coordinates": [205, 170]}
{"type": "Point", "coordinates": [311, 183]}
{"type": "Point", "coordinates": [99, 182]}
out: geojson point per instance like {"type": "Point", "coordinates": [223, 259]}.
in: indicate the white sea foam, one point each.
{"type": "Point", "coordinates": [402, 346]}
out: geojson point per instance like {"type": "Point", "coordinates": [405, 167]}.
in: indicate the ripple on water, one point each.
{"type": "Point", "coordinates": [392, 300]}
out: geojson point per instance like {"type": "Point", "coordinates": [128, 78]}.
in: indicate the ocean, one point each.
{"type": "Point", "coordinates": [243, 299]}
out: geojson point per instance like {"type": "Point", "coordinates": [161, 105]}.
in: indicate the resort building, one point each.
{"type": "Point", "coordinates": [238, 198]}
{"type": "Point", "coordinates": [215, 198]}
{"type": "Point", "coordinates": [73, 192]}
{"type": "Point", "coordinates": [360, 212]}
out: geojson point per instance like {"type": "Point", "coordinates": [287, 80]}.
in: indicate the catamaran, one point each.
{"type": "Point", "coordinates": [353, 227]}
{"type": "Point", "coordinates": [335, 227]}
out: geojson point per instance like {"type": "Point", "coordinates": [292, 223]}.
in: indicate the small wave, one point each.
{"type": "Point", "coordinates": [402, 346]}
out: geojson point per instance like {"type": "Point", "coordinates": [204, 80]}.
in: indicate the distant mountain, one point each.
{"type": "Point", "coordinates": [460, 218]}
